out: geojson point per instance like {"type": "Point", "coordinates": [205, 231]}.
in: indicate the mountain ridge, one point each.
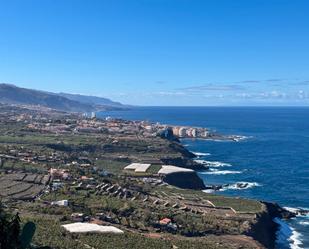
{"type": "Point", "coordinates": [95, 100]}
{"type": "Point", "coordinates": [12, 94]}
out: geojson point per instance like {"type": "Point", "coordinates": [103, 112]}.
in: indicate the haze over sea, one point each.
{"type": "Point", "coordinates": [274, 159]}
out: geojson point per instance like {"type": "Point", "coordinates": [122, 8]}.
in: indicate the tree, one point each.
{"type": "Point", "coordinates": [9, 230]}
{"type": "Point", "coordinates": [11, 234]}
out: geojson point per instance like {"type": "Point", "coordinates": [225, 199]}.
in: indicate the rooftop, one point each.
{"type": "Point", "coordinates": [80, 227]}
{"type": "Point", "coordinates": [168, 169]}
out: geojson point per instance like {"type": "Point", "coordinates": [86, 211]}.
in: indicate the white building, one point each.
{"type": "Point", "coordinates": [205, 133]}
{"type": "Point", "coordinates": [194, 132]}
{"type": "Point", "coordinates": [182, 132]}
{"type": "Point", "coordinates": [138, 167]}
{"type": "Point", "coordinates": [80, 227]}
{"type": "Point", "coordinates": [169, 169]}
{"type": "Point", "coordinates": [93, 115]}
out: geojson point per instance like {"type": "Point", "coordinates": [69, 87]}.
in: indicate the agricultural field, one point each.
{"type": "Point", "coordinates": [22, 186]}
{"type": "Point", "coordinates": [50, 233]}
{"type": "Point", "coordinates": [240, 205]}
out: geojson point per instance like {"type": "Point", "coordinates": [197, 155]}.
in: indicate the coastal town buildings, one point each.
{"type": "Point", "coordinates": [111, 126]}
{"type": "Point", "coordinates": [93, 115]}
{"type": "Point", "coordinates": [194, 132]}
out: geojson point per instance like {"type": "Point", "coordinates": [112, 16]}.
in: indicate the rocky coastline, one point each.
{"type": "Point", "coordinates": [263, 229]}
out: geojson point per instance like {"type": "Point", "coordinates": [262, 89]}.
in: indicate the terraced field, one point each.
{"type": "Point", "coordinates": [21, 186]}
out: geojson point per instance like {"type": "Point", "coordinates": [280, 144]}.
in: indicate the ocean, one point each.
{"type": "Point", "coordinates": [273, 160]}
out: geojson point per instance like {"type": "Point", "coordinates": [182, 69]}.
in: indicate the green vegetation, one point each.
{"type": "Point", "coordinates": [12, 235]}
{"type": "Point", "coordinates": [23, 166]}
{"type": "Point", "coordinates": [111, 166]}
{"type": "Point", "coordinates": [49, 232]}
{"type": "Point", "coordinates": [238, 204]}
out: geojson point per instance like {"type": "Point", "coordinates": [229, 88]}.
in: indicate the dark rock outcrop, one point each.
{"type": "Point", "coordinates": [264, 229]}
{"type": "Point", "coordinates": [186, 180]}
{"type": "Point", "coordinates": [184, 163]}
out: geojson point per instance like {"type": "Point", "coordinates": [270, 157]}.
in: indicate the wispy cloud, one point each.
{"type": "Point", "coordinates": [302, 83]}
{"type": "Point", "coordinates": [212, 87]}
{"type": "Point", "coordinates": [261, 81]}
{"type": "Point", "coordinates": [264, 81]}
{"type": "Point", "coordinates": [249, 81]}
{"type": "Point", "coordinates": [274, 80]}
{"type": "Point", "coordinates": [160, 82]}
{"type": "Point", "coordinates": [170, 93]}
{"type": "Point", "coordinates": [241, 85]}
{"type": "Point", "coordinates": [274, 95]}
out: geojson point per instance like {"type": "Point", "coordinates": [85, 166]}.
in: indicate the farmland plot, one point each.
{"type": "Point", "coordinates": [22, 186]}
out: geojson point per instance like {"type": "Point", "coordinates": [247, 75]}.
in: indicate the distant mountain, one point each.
{"type": "Point", "coordinates": [91, 99]}
{"type": "Point", "coordinates": [11, 94]}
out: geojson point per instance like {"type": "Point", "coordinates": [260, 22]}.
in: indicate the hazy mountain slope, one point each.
{"type": "Point", "coordinates": [91, 99]}
{"type": "Point", "coordinates": [11, 94]}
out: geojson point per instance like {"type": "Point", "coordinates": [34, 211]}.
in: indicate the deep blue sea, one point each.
{"type": "Point", "coordinates": [274, 159]}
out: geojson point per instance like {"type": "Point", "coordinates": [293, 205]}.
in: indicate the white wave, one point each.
{"type": "Point", "coordinates": [299, 212]}
{"type": "Point", "coordinates": [213, 163]}
{"type": "Point", "coordinates": [241, 185]}
{"type": "Point", "coordinates": [304, 223]}
{"type": "Point", "coordinates": [200, 154]}
{"type": "Point", "coordinates": [209, 191]}
{"type": "Point", "coordinates": [291, 209]}
{"type": "Point", "coordinates": [221, 172]}
{"type": "Point", "coordinates": [238, 138]}
{"type": "Point", "coordinates": [295, 240]}
{"type": "Point", "coordinates": [287, 235]}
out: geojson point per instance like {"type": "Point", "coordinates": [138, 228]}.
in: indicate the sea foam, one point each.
{"type": "Point", "coordinates": [240, 138]}
{"type": "Point", "coordinates": [213, 163]}
{"type": "Point", "coordinates": [236, 186]}
{"type": "Point", "coordinates": [221, 172]}
{"type": "Point", "coordinates": [300, 211]}
{"type": "Point", "coordinates": [200, 154]}
{"type": "Point", "coordinates": [291, 209]}
{"type": "Point", "coordinates": [304, 223]}
{"type": "Point", "coordinates": [287, 237]}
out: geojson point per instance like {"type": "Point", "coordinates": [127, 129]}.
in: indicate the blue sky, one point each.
{"type": "Point", "coordinates": [160, 52]}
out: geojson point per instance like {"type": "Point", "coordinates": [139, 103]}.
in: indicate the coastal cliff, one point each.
{"type": "Point", "coordinates": [186, 180]}
{"type": "Point", "coordinates": [185, 163]}
{"type": "Point", "coordinates": [264, 229]}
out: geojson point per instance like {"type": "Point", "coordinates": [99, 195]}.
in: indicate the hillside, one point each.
{"type": "Point", "coordinates": [11, 94]}
{"type": "Point", "coordinates": [94, 100]}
